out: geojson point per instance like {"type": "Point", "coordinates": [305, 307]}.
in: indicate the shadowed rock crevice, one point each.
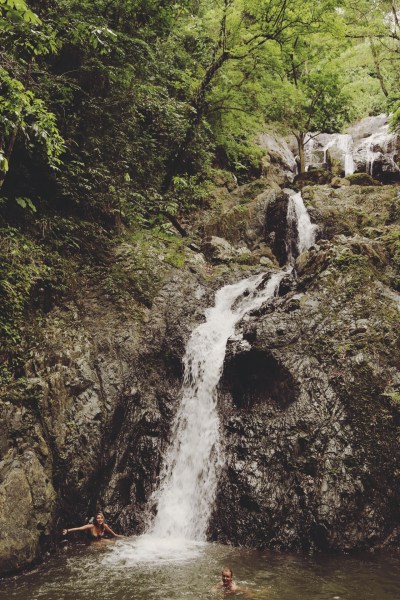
{"type": "Point", "coordinates": [256, 377]}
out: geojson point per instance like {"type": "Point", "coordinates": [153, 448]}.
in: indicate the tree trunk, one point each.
{"type": "Point", "coordinates": [395, 16]}
{"type": "Point", "coordinates": [302, 157]}
{"type": "Point", "coordinates": [198, 105]}
{"type": "Point", "coordinates": [176, 159]}
{"type": "Point", "coordinates": [378, 67]}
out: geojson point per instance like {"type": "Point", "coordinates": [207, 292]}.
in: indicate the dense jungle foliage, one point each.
{"type": "Point", "coordinates": [118, 114]}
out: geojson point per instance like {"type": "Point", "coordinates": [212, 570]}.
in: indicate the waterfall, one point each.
{"type": "Point", "coordinates": [191, 468]}
{"type": "Point", "coordinates": [376, 145]}
{"type": "Point", "coordinates": [344, 143]}
{"type": "Point", "coordinates": [189, 475]}
{"type": "Point", "coordinates": [340, 146]}
{"type": "Point", "coordinates": [301, 233]}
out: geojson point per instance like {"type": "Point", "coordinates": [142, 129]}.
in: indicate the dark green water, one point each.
{"type": "Point", "coordinates": [151, 570]}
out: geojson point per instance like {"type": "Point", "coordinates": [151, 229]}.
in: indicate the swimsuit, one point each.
{"type": "Point", "coordinates": [97, 536]}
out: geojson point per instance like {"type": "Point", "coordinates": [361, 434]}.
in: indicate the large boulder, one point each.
{"type": "Point", "coordinates": [314, 176]}
{"type": "Point", "coordinates": [219, 250]}
{"type": "Point", "coordinates": [279, 163]}
{"type": "Point", "coordinates": [27, 501]}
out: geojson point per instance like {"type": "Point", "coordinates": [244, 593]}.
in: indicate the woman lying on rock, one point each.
{"type": "Point", "coordinates": [96, 530]}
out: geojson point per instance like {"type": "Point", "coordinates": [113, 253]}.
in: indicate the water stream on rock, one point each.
{"type": "Point", "coordinates": [188, 483]}
{"type": "Point", "coordinates": [191, 467]}
{"type": "Point", "coordinates": [377, 144]}
{"type": "Point", "coordinates": [301, 233]}
{"type": "Point", "coordinates": [369, 142]}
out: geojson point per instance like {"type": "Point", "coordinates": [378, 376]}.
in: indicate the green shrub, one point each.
{"type": "Point", "coordinates": [30, 276]}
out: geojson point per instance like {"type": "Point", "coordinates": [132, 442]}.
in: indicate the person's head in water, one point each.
{"type": "Point", "coordinates": [99, 520]}
{"type": "Point", "coordinates": [227, 578]}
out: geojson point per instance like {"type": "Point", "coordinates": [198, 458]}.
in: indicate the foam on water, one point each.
{"type": "Point", "coordinates": [150, 549]}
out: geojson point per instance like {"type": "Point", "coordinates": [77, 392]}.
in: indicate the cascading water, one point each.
{"type": "Point", "coordinates": [369, 146]}
{"type": "Point", "coordinates": [344, 143]}
{"type": "Point", "coordinates": [188, 487]}
{"type": "Point", "coordinates": [338, 144]}
{"type": "Point", "coordinates": [301, 232]}
{"type": "Point", "coordinates": [189, 476]}
{"type": "Point", "coordinates": [377, 145]}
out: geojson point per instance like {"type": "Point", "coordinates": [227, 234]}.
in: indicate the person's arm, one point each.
{"type": "Point", "coordinates": [216, 587]}
{"type": "Point", "coordinates": [245, 591]}
{"type": "Point", "coordinates": [83, 528]}
{"type": "Point", "coordinates": [109, 530]}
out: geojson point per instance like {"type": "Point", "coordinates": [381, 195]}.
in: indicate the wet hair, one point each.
{"type": "Point", "coordinates": [225, 569]}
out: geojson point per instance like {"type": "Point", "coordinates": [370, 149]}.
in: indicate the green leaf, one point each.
{"type": "Point", "coordinates": [21, 202]}
{"type": "Point", "coordinates": [26, 203]}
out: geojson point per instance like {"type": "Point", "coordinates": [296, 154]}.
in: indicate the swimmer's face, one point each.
{"type": "Point", "coordinates": [226, 578]}
{"type": "Point", "coordinates": [99, 519]}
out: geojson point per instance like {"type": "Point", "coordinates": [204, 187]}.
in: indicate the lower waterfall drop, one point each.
{"type": "Point", "coordinates": [191, 466]}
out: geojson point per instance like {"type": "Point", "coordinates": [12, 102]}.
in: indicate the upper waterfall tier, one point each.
{"type": "Point", "coordinates": [367, 147]}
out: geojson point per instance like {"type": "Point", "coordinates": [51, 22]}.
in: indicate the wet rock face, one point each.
{"type": "Point", "coordinates": [88, 430]}
{"type": "Point", "coordinates": [252, 377]}
{"type": "Point", "coordinates": [310, 420]}
{"type": "Point", "coordinates": [276, 227]}
{"type": "Point", "coordinates": [367, 147]}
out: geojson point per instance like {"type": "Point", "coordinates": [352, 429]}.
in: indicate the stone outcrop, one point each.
{"type": "Point", "coordinates": [367, 147]}
{"type": "Point", "coordinates": [310, 416]}
{"type": "Point", "coordinates": [279, 162]}
{"type": "Point", "coordinates": [88, 424]}
{"type": "Point", "coordinates": [375, 149]}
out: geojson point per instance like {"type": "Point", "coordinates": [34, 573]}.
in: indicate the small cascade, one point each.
{"type": "Point", "coordinates": [344, 144]}
{"type": "Point", "coordinates": [325, 150]}
{"type": "Point", "coordinates": [192, 464]}
{"type": "Point", "coordinates": [378, 145]}
{"type": "Point", "coordinates": [323, 147]}
{"type": "Point", "coordinates": [368, 147]}
{"type": "Point", "coordinates": [301, 233]}
{"type": "Point", "coordinates": [309, 144]}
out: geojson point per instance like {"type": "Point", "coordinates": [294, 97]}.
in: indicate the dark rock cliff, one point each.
{"type": "Point", "coordinates": [309, 398]}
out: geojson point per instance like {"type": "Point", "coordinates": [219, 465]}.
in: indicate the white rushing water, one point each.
{"type": "Point", "coordinates": [344, 143]}
{"type": "Point", "coordinates": [340, 145]}
{"type": "Point", "coordinates": [378, 144]}
{"type": "Point", "coordinates": [299, 227]}
{"type": "Point", "coordinates": [191, 467]}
